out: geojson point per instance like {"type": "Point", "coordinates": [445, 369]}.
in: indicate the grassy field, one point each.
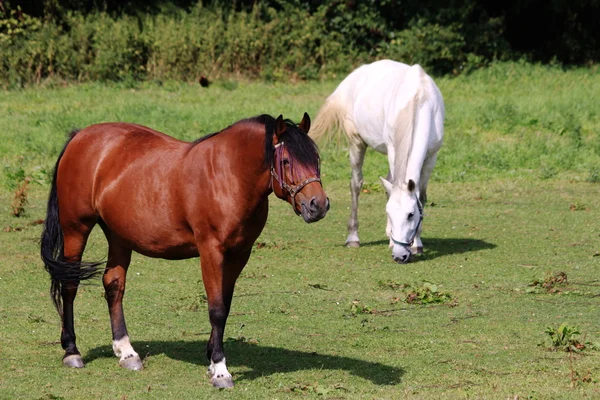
{"type": "Point", "coordinates": [514, 202]}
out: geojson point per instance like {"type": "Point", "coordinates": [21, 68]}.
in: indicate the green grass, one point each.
{"type": "Point", "coordinates": [311, 318]}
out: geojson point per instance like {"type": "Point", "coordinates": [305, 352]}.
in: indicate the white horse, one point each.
{"type": "Point", "coordinates": [398, 110]}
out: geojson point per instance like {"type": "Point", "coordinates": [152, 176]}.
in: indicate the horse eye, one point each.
{"type": "Point", "coordinates": [411, 215]}
{"type": "Point", "coordinates": [286, 161]}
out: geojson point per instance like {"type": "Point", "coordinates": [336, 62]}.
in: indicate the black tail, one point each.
{"type": "Point", "coordinates": [52, 247]}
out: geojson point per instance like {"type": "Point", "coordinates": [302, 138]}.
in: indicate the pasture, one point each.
{"type": "Point", "coordinates": [513, 204]}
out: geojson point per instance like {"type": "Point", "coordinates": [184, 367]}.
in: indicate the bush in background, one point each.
{"type": "Point", "coordinates": [109, 40]}
{"type": "Point", "coordinates": [261, 43]}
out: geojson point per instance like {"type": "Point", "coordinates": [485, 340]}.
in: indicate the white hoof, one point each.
{"type": "Point", "coordinates": [222, 382]}
{"type": "Point", "coordinates": [133, 363]}
{"type": "Point", "coordinates": [220, 377]}
{"type": "Point", "coordinates": [129, 359]}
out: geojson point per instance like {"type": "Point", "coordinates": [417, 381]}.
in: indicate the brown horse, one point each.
{"type": "Point", "coordinates": [166, 198]}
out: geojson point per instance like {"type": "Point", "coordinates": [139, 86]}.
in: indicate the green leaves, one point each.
{"type": "Point", "coordinates": [565, 338]}
{"type": "Point", "coordinates": [356, 308]}
{"type": "Point", "coordinates": [427, 293]}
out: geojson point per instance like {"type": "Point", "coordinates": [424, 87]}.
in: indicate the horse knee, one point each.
{"type": "Point", "coordinates": [113, 290]}
{"type": "Point", "coordinates": [218, 315]}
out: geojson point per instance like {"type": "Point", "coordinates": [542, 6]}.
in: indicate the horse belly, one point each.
{"type": "Point", "coordinates": [155, 239]}
{"type": "Point", "coordinates": [147, 216]}
{"type": "Point", "coordinates": [173, 251]}
{"type": "Point", "coordinates": [369, 121]}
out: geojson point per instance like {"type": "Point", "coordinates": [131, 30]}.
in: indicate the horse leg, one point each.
{"type": "Point", "coordinates": [74, 241]}
{"type": "Point", "coordinates": [428, 164]}
{"type": "Point", "coordinates": [388, 225]}
{"type": "Point", "coordinates": [219, 274]}
{"type": "Point", "coordinates": [114, 279]}
{"type": "Point", "coordinates": [357, 157]}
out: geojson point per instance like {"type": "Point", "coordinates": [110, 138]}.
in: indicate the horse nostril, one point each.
{"type": "Point", "coordinates": [313, 204]}
{"type": "Point", "coordinates": [401, 260]}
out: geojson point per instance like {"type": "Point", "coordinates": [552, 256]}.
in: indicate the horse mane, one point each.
{"type": "Point", "coordinates": [203, 138]}
{"type": "Point", "coordinates": [299, 145]}
{"type": "Point", "coordinates": [405, 124]}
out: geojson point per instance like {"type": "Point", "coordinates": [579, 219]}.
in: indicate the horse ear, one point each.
{"type": "Point", "coordinates": [387, 185]}
{"type": "Point", "coordinates": [305, 123]}
{"type": "Point", "coordinates": [280, 127]}
{"type": "Point", "coordinates": [411, 185]}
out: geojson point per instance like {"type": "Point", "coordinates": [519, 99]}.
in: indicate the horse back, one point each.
{"type": "Point", "coordinates": [372, 97]}
{"type": "Point", "coordinates": [110, 152]}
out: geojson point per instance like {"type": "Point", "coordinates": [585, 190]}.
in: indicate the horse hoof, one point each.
{"type": "Point", "coordinates": [73, 361]}
{"type": "Point", "coordinates": [132, 363]}
{"type": "Point", "coordinates": [416, 250]}
{"type": "Point", "coordinates": [223, 382]}
{"type": "Point", "coordinates": [353, 244]}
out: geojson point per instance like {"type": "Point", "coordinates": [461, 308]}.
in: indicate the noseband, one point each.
{"type": "Point", "coordinates": [412, 238]}
{"type": "Point", "coordinates": [293, 190]}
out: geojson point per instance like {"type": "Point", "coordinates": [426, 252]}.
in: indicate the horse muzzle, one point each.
{"type": "Point", "coordinates": [401, 254]}
{"type": "Point", "coordinates": [314, 209]}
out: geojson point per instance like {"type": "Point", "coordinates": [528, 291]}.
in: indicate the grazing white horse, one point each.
{"type": "Point", "coordinates": [398, 110]}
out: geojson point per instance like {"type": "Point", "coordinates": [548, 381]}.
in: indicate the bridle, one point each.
{"type": "Point", "coordinates": [412, 238]}
{"type": "Point", "coordinates": [293, 190]}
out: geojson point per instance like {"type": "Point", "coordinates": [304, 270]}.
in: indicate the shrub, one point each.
{"type": "Point", "coordinates": [565, 337]}
{"type": "Point", "coordinates": [272, 39]}
{"type": "Point", "coordinates": [437, 48]}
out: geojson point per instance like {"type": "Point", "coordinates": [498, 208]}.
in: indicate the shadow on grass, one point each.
{"type": "Point", "coordinates": [436, 247]}
{"type": "Point", "coordinates": [261, 360]}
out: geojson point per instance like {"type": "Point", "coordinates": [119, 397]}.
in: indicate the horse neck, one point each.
{"type": "Point", "coordinates": [413, 130]}
{"type": "Point", "coordinates": [235, 156]}
{"type": "Point", "coordinates": [403, 141]}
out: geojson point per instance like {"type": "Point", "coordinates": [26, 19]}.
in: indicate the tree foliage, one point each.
{"type": "Point", "coordinates": [110, 39]}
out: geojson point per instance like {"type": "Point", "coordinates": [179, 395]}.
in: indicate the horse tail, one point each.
{"type": "Point", "coordinates": [52, 242]}
{"type": "Point", "coordinates": [406, 120]}
{"type": "Point", "coordinates": [329, 119]}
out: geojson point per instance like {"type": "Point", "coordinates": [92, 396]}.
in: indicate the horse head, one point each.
{"type": "Point", "coordinates": [296, 169]}
{"type": "Point", "coordinates": [404, 216]}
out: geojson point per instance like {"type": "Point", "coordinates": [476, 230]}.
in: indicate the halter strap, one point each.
{"type": "Point", "coordinates": [412, 238]}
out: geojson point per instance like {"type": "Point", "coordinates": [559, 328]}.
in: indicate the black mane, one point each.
{"type": "Point", "coordinates": [299, 145]}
